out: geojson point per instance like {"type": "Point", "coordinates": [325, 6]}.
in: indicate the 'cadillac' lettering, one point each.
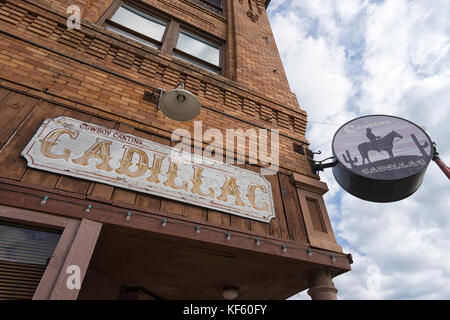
{"type": "Point", "coordinates": [87, 151]}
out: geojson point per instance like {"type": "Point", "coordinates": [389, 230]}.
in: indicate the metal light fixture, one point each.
{"type": "Point", "coordinates": [179, 104]}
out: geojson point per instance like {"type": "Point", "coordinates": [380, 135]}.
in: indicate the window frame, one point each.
{"type": "Point", "coordinates": [309, 188]}
{"type": "Point", "coordinates": [210, 65]}
{"type": "Point", "coordinates": [172, 31]}
{"type": "Point", "coordinates": [143, 37]}
{"type": "Point", "coordinates": [205, 3]}
{"type": "Point", "coordinates": [108, 21]}
{"type": "Point", "coordinates": [67, 227]}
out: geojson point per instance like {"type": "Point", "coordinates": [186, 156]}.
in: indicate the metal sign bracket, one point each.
{"type": "Point", "coordinates": [317, 166]}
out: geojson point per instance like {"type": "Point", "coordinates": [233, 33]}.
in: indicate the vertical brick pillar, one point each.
{"type": "Point", "coordinates": [258, 63]}
{"type": "Point", "coordinates": [321, 286]}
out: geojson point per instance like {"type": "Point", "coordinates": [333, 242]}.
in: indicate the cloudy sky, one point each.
{"type": "Point", "coordinates": [349, 58]}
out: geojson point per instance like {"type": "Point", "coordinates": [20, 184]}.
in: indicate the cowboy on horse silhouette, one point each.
{"type": "Point", "coordinates": [371, 136]}
{"type": "Point", "coordinates": [377, 143]}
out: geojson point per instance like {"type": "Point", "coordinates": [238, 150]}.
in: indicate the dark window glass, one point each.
{"type": "Point", "coordinates": [217, 3]}
{"type": "Point", "coordinates": [24, 255]}
{"type": "Point", "coordinates": [26, 245]}
{"type": "Point", "coordinates": [213, 5]}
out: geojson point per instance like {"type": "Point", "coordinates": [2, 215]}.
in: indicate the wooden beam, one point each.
{"type": "Point", "coordinates": [55, 265]}
{"type": "Point", "coordinates": [34, 217]}
{"type": "Point", "coordinates": [79, 254]}
{"type": "Point", "coordinates": [310, 184]}
{"type": "Point", "coordinates": [149, 220]}
{"type": "Point", "coordinates": [58, 258]}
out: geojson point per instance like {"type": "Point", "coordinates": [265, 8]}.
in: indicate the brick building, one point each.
{"type": "Point", "coordinates": [109, 75]}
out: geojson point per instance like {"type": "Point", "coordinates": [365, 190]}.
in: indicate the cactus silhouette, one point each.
{"type": "Point", "coordinates": [420, 146]}
{"type": "Point", "coordinates": [349, 159]}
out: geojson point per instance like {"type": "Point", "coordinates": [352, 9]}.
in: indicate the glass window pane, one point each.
{"type": "Point", "coordinates": [132, 36]}
{"type": "Point", "coordinates": [26, 245]}
{"type": "Point", "coordinates": [24, 255]}
{"type": "Point", "coordinates": [217, 3]}
{"type": "Point", "coordinates": [197, 63]}
{"type": "Point", "coordinates": [198, 48]}
{"type": "Point", "coordinates": [140, 22]}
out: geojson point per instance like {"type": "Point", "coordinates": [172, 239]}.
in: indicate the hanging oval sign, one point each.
{"type": "Point", "coordinates": [381, 158]}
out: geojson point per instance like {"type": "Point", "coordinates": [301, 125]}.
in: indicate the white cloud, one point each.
{"type": "Point", "coordinates": [404, 49]}
{"type": "Point", "coordinates": [320, 63]}
{"type": "Point", "coordinates": [349, 58]}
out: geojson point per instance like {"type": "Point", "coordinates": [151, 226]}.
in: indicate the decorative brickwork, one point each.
{"type": "Point", "coordinates": [212, 93]}
{"type": "Point", "coordinates": [148, 67]}
{"type": "Point", "coordinates": [11, 13]}
{"type": "Point", "coordinates": [122, 57]}
{"type": "Point", "coordinates": [192, 84]}
{"type": "Point", "coordinates": [249, 107]}
{"type": "Point", "coordinates": [283, 120]}
{"type": "Point", "coordinates": [171, 77]}
{"type": "Point", "coordinates": [266, 113]}
{"type": "Point", "coordinates": [255, 8]}
{"type": "Point", "coordinates": [99, 48]}
{"type": "Point", "coordinates": [72, 38]}
{"type": "Point", "coordinates": [232, 100]}
{"type": "Point", "coordinates": [119, 54]}
{"type": "Point", "coordinates": [100, 77]}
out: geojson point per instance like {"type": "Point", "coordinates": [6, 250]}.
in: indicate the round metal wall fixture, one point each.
{"type": "Point", "coordinates": [179, 105]}
{"type": "Point", "coordinates": [381, 158]}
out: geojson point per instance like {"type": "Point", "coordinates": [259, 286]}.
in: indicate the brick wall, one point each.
{"type": "Point", "coordinates": [258, 62]}
{"type": "Point", "coordinates": [97, 76]}
{"type": "Point", "coordinates": [120, 97]}
{"type": "Point", "coordinates": [251, 47]}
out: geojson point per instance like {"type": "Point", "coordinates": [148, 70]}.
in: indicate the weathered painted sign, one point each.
{"type": "Point", "coordinates": [71, 147]}
{"type": "Point", "coordinates": [381, 158]}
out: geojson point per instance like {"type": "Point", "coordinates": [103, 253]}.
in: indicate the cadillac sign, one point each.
{"type": "Point", "coordinates": [381, 158]}
{"type": "Point", "coordinates": [87, 151]}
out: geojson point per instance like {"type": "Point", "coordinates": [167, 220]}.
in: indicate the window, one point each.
{"type": "Point", "coordinates": [138, 26]}
{"type": "Point", "coordinates": [168, 36]}
{"type": "Point", "coordinates": [214, 5]}
{"type": "Point", "coordinates": [198, 51]}
{"type": "Point", "coordinates": [24, 255]}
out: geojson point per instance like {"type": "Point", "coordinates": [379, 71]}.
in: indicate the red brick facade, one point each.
{"type": "Point", "coordinates": [96, 75]}
{"type": "Point", "coordinates": [265, 98]}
